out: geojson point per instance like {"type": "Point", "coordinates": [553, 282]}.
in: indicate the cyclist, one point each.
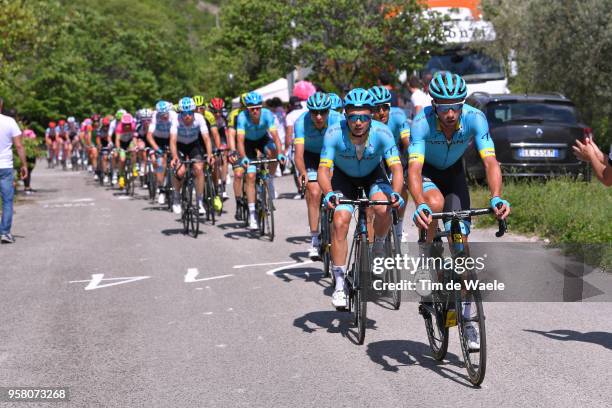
{"type": "Point", "coordinates": [309, 130]}
{"type": "Point", "coordinates": [336, 101]}
{"type": "Point", "coordinates": [104, 141]}
{"type": "Point", "coordinates": [216, 108]}
{"type": "Point", "coordinates": [440, 134]}
{"type": "Point", "coordinates": [72, 129]}
{"type": "Point", "coordinates": [396, 120]}
{"type": "Point", "coordinates": [189, 136]}
{"type": "Point", "coordinates": [355, 147]}
{"type": "Point", "coordinates": [237, 169]}
{"type": "Point", "coordinates": [63, 141]}
{"type": "Point", "coordinates": [252, 128]}
{"type": "Point", "coordinates": [51, 142]}
{"type": "Point", "coordinates": [86, 143]}
{"type": "Point", "coordinates": [158, 137]}
{"type": "Point", "coordinates": [125, 133]}
{"type": "Point", "coordinates": [143, 121]}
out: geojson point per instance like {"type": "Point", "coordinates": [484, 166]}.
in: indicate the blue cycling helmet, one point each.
{"type": "Point", "coordinates": [186, 104]}
{"type": "Point", "coordinates": [380, 94]}
{"type": "Point", "coordinates": [445, 85]}
{"type": "Point", "coordinates": [358, 98]}
{"type": "Point", "coordinates": [163, 107]}
{"type": "Point", "coordinates": [318, 101]}
{"type": "Point", "coordinates": [252, 99]}
{"type": "Point", "coordinates": [336, 102]}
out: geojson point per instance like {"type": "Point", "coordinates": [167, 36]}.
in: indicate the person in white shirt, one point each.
{"type": "Point", "coordinates": [9, 134]}
{"type": "Point", "coordinates": [292, 117]}
{"type": "Point", "coordinates": [419, 99]}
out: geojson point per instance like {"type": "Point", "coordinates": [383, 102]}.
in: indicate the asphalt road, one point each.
{"type": "Point", "coordinates": [104, 295]}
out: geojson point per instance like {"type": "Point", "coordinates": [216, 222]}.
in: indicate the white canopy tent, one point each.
{"type": "Point", "coordinates": [278, 88]}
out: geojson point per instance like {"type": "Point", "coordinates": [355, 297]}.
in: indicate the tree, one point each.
{"type": "Point", "coordinates": [563, 47]}
{"type": "Point", "coordinates": [349, 43]}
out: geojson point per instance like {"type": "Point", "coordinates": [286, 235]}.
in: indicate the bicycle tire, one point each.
{"type": "Point", "coordinates": [195, 215]}
{"type": "Point", "coordinates": [210, 198]}
{"type": "Point", "coordinates": [186, 214]}
{"type": "Point", "coordinates": [325, 239]}
{"type": "Point", "coordinates": [393, 275]}
{"type": "Point", "coordinates": [475, 367]}
{"type": "Point", "coordinates": [152, 184]}
{"type": "Point", "coordinates": [361, 301]}
{"type": "Point", "coordinates": [266, 213]}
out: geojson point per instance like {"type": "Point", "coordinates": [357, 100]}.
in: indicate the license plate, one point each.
{"type": "Point", "coordinates": [538, 153]}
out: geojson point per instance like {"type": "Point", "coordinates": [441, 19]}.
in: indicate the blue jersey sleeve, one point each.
{"type": "Point", "coordinates": [418, 134]}
{"type": "Point", "coordinates": [241, 123]}
{"type": "Point", "coordinates": [328, 151]}
{"type": "Point", "coordinates": [479, 127]}
{"type": "Point", "coordinates": [299, 133]}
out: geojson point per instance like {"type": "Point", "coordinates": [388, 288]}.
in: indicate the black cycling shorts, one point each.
{"type": "Point", "coordinates": [452, 184]}
{"type": "Point", "coordinates": [251, 147]}
{"type": "Point", "coordinates": [311, 162]}
{"type": "Point", "coordinates": [374, 182]}
{"type": "Point", "coordinates": [125, 145]}
{"type": "Point", "coordinates": [193, 150]}
{"type": "Point", "coordinates": [162, 143]}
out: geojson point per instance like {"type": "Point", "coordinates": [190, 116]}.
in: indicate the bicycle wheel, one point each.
{"type": "Point", "coordinates": [475, 360]}
{"type": "Point", "coordinates": [437, 333]}
{"type": "Point", "coordinates": [392, 275]}
{"type": "Point", "coordinates": [186, 215]}
{"type": "Point", "coordinates": [363, 273]}
{"type": "Point", "coordinates": [194, 220]}
{"type": "Point", "coordinates": [266, 214]}
{"type": "Point", "coordinates": [325, 240]}
{"type": "Point", "coordinates": [152, 184]}
{"type": "Point", "coordinates": [209, 197]}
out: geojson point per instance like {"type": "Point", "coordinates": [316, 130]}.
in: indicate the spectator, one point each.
{"type": "Point", "coordinates": [602, 165]}
{"type": "Point", "coordinates": [385, 80]}
{"type": "Point", "coordinates": [9, 134]}
{"type": "Point", "coordinates": [418, 98]}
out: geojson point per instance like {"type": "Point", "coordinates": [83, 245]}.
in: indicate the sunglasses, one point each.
{"type": "Point", "coordinates": [362, 118]}
{"type": "Point", "coordinates": [445, 107]}
{"type": "Point", "coordinates": [385, 107]}
{"type": "Point", "coordinates": [322, 112]}
{"type": "Point", "coordinates": [186, 113]}
{"type": "Point", "coordinates": [254, 108]}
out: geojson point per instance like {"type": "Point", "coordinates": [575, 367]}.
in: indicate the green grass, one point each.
{"type": "Point", "coordinates": [573, 215]}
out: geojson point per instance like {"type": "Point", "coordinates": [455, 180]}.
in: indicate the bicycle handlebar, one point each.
{"type": "Point", "coordinates": [463, 214]}
{"type": "Point", "coordinates": [262, 161]}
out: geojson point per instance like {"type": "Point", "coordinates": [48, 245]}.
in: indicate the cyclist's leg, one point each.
{"type": "Point", "coordinates": [341, 221]}
{"type": "Point", "coordinates": [379, 188]}
{"type": "Point", "coordinates": [197, 153]}
{"type": "Point", "coordinates": [313, 195]}
{"type": "Point", "coordinates": [271, 153]}
{"type": "Point", "coordinates": [432, 195]}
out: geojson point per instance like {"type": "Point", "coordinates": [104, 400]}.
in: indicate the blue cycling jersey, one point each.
{"type": "Point", "coordinates": [339, 151]}
{"type": "Point", "coordinates": [398, 124]}
{"type": "Point", "coordinates": [428, 143]}
{"type": "Point", "coordinates": [252, 131]}
{"type": "Point", "coordinates": [308, 135]}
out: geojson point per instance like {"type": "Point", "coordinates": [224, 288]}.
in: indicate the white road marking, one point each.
{"type": "Point", "coordinates": [263, 264]}
{"type": "Point", "coordinates": [271, 272]}
{"type": "Point", "coordinates": [97, 278]}
{"type": "Point", "coordinates": [192, 273]}
{"type": "Point", "coordinates": [82, 200]}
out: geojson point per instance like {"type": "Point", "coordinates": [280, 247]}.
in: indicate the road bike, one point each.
{"type": "Point", "coordinates": [264, 206]}
{"type": "Point", "coordinates": [189, 207]}
{"type": "Point", "coordinates": [360, 263]}
{"type": "Point", "coordinates": [445, 308]}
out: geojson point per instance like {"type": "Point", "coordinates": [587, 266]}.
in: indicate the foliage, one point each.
{"type": "Point", "coordinates": [349, 43]}
{"type": "Point", "coordinates": [560, 46]}
{"type": "Point", "coordinates": [567, 212]}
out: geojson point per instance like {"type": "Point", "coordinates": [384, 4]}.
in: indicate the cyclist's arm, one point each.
{"type": "Point", "coordinates": [405, 137]}
{"type": "Point", "coordinates": [117, 140]}
{"type": "Point", "coordinates": [486, 149]}
{"type": "Point", "coordinates": [279, 146]}
{"type": "Point", "coordinates": [416, 158]}
{"type": "Point", "coordinates": [173, 137]}
{"type": "Point", "coordinates": [415, 181]}
{"type": "Point", "coordinates": [299, 158]}
{"type": "Point", "coordinates": [326, 162]}
{"type": "Point", "coordinates": [151, 139]}
{"type": "Point", "coordinates": [216, 137]}
{"type": "Point", "coordinates": [231, 138]}
{"type": "Point", "coordinates": [240, 131]}
{"type": "Point", "coordinates": [206, 137]}
{"type": "Point", "coordinates": [393, 162]}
